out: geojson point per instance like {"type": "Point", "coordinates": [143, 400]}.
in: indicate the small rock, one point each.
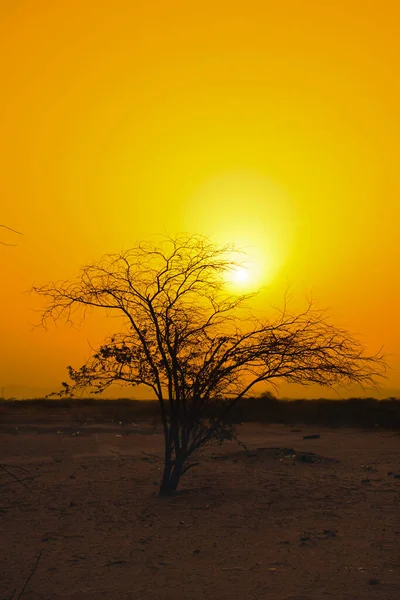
{"type": "Point", "coordinates": [329, 533]}
{"type": "Point", "coordinates": [374, 581]}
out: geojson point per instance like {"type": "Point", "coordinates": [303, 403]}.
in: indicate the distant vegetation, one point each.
{"type": "Point", "coordinates": [354, 412]}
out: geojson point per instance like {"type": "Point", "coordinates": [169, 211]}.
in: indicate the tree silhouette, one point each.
{"type": "Point", "coordinates": [192, 343]}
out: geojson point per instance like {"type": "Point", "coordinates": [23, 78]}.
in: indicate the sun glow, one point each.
{"type": "Point", "coordinates": [240, 274]}
{"type": "Point", "coordinates": [251, 212]}
{"type": "Point", "coordinates": [247, 276]}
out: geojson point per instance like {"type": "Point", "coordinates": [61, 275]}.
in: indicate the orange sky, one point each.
{"type": "Point", "coordinates": [274, 124]}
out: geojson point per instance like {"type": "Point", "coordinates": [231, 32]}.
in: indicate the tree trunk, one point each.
{"type": "Point", "coordinates": [170, 478]}
{"type": "Point", "coordinates": [166, 477]}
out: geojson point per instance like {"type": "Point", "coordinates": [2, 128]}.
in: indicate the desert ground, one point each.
{"type": "Point", "coordinates": [289, 519]}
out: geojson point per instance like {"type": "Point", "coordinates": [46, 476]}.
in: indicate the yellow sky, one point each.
{"type": "Point", "coordinates": [270, 124]}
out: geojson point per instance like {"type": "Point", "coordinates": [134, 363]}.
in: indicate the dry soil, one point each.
{"type": "Point", "coordinates": [293, 519]}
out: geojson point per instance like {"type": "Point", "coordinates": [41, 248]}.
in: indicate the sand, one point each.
{"type": "Point", "coordinates": [278, 523]}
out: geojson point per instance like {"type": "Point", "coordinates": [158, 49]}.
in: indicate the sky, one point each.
{"type": "Point", "coordinates": [272, 125]}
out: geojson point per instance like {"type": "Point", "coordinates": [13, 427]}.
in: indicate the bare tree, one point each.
{"type": "Point", "coordinates": [13, 231]}
{"type": "Point", "coordinates": [192, 343]}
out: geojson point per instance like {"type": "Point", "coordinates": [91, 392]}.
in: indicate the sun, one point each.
{"type": "Point", "coordinates": [244, 276]}
{"type": "Point", "coordinates": [240, 275]}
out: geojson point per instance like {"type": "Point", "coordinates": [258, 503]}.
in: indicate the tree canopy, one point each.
{"type": "Point", "coordinates": [192, 342]}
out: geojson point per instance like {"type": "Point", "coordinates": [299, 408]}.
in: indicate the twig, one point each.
{"type": "Point", "coordinates": [151, 455]}
{"type": "Point", "coordinates": [21, 481]}
{"type": "Point", "coordinates": [18, 480]}
{"type": "Point", "coordinates": [15, 467]}
{"type": "Point", "coordinates": [190, 466]}
{"type": "Point", "coordinates": [4, 244]}
{"type": "Point", "coordinates": [31, 573]}
{"type": "Point", "coordinates": [10, 229]}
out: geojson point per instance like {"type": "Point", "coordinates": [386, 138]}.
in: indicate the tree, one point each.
{"type": "Point", "coordinates": [192, 343]}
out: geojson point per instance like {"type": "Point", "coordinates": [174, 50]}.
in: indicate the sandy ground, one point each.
{"type": "Point", "coordinates": [276, 524]}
